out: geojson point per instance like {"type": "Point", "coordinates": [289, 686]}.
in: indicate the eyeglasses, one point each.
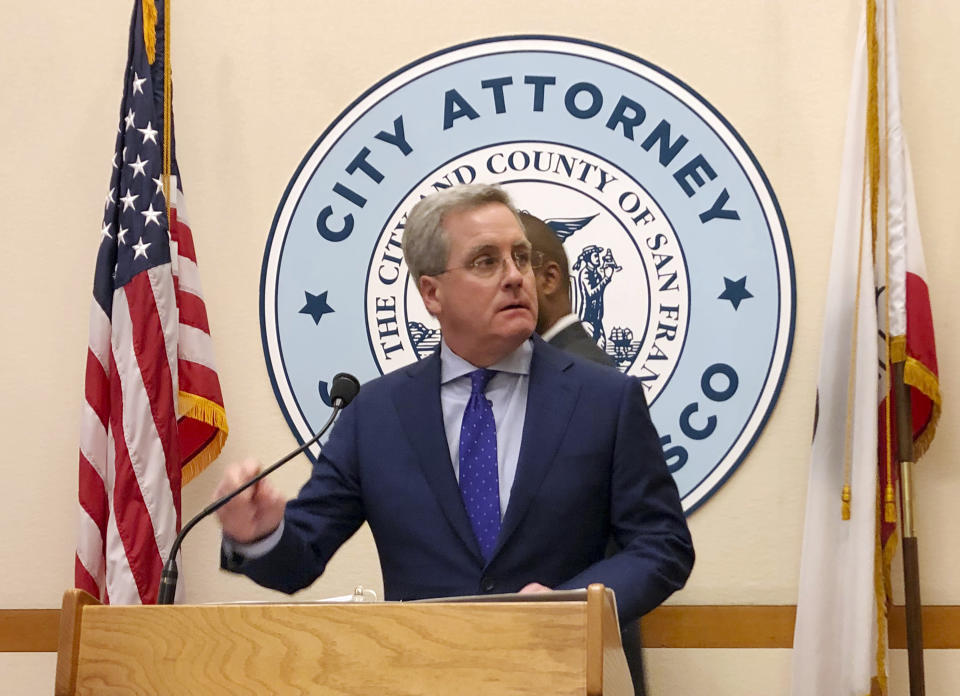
{"type": "Point", "coordinates": [488, 265]}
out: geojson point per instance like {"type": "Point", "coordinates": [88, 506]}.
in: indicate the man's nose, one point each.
{"type": "Point", "coordinates": [511, 273]}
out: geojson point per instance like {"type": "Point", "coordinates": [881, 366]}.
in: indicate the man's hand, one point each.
{"type": "Point", "coordinates": [256, 512]}
{"type": "Point", "coordinates": [534, 587]}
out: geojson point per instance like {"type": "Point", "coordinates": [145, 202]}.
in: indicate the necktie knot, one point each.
{"type": "Point", "coordinates": [479, 380]}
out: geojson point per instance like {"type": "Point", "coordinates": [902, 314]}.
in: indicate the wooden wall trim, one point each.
{"type": "Point", "coordinates": [719, 626]}
{"type": "Point", "coordinates": [941, 628]}
{"type": "Point", "coordinates": [742, 626]}
{"type": "Point", "coordinates": [29, 630]}
{"type": "Point", "coordinates": [670, 626]}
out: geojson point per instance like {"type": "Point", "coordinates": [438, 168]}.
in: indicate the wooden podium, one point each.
{"type": "Point", "coordinates": [557, 644]}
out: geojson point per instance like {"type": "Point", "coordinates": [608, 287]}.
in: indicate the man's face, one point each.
{"type": "Point", "coordinates": [482, 319]}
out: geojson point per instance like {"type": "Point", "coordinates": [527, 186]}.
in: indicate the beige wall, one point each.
{"type": "Point", "coordinates": [258, 82]}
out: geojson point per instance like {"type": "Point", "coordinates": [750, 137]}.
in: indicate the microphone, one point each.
{"type": "Point", "coordinates": [343, 389]}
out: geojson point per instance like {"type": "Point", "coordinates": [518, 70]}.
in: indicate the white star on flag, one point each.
{"type": "Point", "coordinates": [151, 215]}
{"type": "Point", "coordinates": [149, 133]}
{"type": "Point", "coordinates": [138, 166]}
{"type": "Point", "coordinates": [128, 200]}
{"type": "Point", "coordinates": [141, 249]}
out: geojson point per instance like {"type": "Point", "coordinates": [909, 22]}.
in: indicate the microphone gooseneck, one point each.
{"type": "Point", "coordinates": [344, 387]}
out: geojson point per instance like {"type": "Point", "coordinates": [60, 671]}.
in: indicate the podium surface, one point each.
{"type": "Point", "coordinates": [456, 647]}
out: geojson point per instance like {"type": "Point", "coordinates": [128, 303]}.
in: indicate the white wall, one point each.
{"type": "Point", "coordinates": [256, 83]}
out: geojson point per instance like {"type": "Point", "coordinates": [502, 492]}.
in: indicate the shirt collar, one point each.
{"type": "Point", "coordinates": [453, 366]}
{"type": "Point", "coordinates": [559, 325]}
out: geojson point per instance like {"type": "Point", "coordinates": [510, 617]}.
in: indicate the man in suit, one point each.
{"type": "Point", "coordinates": [556, 322]}
{"type": "Point", "coordinates": [467, 464]}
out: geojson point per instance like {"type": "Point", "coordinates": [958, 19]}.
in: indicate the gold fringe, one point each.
{"type": "Point", "coordinates": [198, 408]}
{"type": "Point", "coordinates": [888, 552]}
{"type": "Point", "coordinates": [873, 117]}
{"type": "Point", "coordinates": [203, 459]}
{"type": "Point", "coordinates": [211, 413]}
{"type": "Point", "coordinates": [882, 590]}
{"type": "Point", "coordinates": [923, 440]}
{"type": "Point", "coordinates": [845, 502]}
{"type": "Point", "coordinates": [150, 29]}
{"type": "Point", "coordinates": [880, 568]}
{"type": "Point", "coordinates": [889, 506]}
{"type": "Point", "coordinates": [918, 376]}
{"type": "Point", "coordinates": [883, 601]}
{"type": "Point", "coordinates": [898, 348]}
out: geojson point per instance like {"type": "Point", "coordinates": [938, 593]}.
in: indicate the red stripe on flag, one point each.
{"type": "Point", "coordinates": [182, 235]}
{"type": "Point", "coordinates": [199, 380]}
{"type": "Point", "coordinates": [129, 509]}
{"type": "Point", "coordinates": [93, 496]}
{"type": "Point", "coordinates": [193, 312]}
{"type": "Point", "coordinates": [97, 388]}
{"type": "Point", "coordinates": [150, 350]}
{"type": "Point", "coordinates": [83, 579]}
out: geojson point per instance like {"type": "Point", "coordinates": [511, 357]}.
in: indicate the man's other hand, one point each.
{"type": "Point", "coordinates": [534, 587]}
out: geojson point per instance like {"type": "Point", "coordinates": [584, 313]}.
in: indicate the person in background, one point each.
{"type": "Point", "coordinates": [558, 325]}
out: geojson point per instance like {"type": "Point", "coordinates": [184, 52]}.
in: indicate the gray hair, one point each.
{"type": "Point", "coordinates": [425, 243]}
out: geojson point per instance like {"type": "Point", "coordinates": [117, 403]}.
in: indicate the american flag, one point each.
{"type": "Point", "coordinates": [153, 413]}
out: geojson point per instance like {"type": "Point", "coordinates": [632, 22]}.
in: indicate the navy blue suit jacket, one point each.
{"type": "Point", "coordinates": [590, 467]}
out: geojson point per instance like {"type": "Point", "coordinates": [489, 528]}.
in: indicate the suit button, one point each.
{"type": "Point", "coordinates": [487, 584]}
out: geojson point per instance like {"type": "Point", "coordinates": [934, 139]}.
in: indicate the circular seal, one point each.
{"type": "Point", "coordinates": [680, 264]}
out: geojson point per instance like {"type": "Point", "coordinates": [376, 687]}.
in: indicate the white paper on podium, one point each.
{"type": "Point", "coordinates": [360, 594]}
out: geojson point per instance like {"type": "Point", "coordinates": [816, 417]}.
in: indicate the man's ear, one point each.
{"type": "Point", "coordinates": [429, 289]}
{"type": "Point", "coordinates": [549, 276]}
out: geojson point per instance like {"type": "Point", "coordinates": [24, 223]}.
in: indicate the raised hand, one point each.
{"type": "Point", "coordinates": [255, 512]}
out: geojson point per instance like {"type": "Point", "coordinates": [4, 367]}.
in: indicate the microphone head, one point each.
{"type": "Point", "coordinates": [343, 388]}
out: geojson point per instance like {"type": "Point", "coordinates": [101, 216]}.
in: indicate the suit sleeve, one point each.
{"type": "Point", "coordinates": [327, 511]}
{"type": "Point", "coordinates": [646, 517]}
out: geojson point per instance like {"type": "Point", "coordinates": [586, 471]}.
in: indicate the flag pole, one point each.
{"type": "Point", "coordinates": [911, 561]}
{"type": "Point", "coordinates": [167, 106]}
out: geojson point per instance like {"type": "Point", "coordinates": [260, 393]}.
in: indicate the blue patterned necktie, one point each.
{"type": "Point", "coordinates": [479, 480]}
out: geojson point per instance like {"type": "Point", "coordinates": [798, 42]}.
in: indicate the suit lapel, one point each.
{"type": "Point", "coordinates": [551, 398]}
{"type": "Point", "coordinates": [417, 402]}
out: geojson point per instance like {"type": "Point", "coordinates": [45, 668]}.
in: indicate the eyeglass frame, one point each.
{"type": "Point", "coordinates": [535, 262]}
